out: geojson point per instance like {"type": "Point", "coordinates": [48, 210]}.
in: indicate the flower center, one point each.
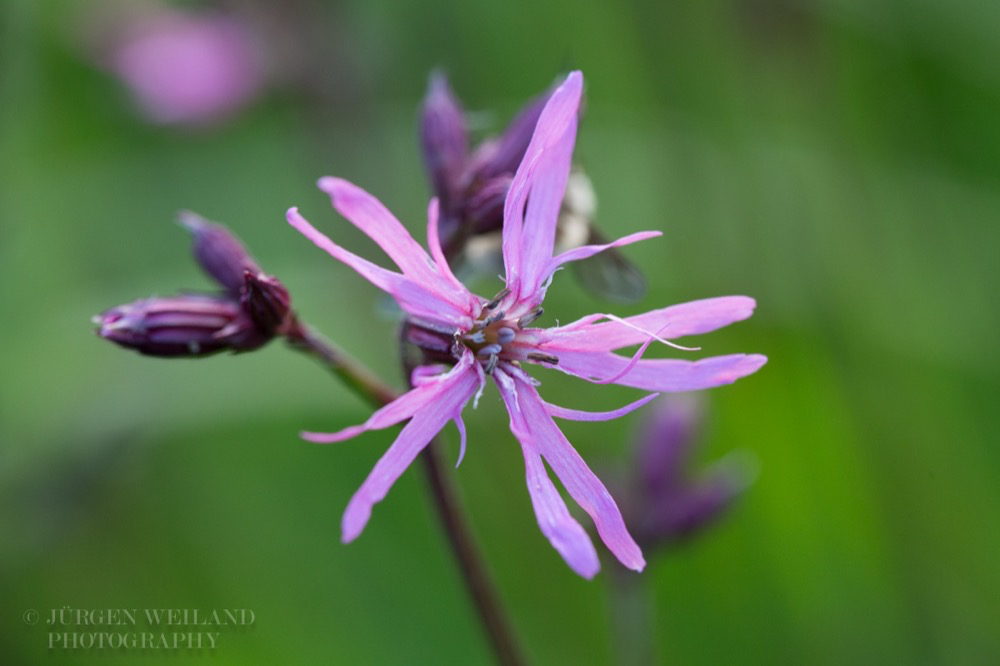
{"type": "Point", "coordinates": [494, 335]}
{"type": "Point", "coordinates": [499, 334]}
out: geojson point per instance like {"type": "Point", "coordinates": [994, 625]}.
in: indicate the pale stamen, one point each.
{"type": "Point", "coordinates": [492, 364]}
{"type": "Point", "coordinates": [489, 350]}
{"type": "Point", "coordinates": [476, 337]}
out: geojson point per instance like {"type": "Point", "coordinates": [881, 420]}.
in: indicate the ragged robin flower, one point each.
{"type": "Point", "coordinates": [495, 339]}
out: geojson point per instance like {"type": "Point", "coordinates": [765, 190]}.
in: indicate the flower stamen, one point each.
{"type": "Point", "coordinates": [489, 350]}
{"type": "Point", "coordinates": [539, 357]}
{"type": "Point", "coordinates": [476, 337]}
{"type": "Point", "coordinates": [494, 318]}
{"type": "Point", "coordinates": [491, 364]}
{"type": "Point", "coordinates": [504, 293]}
{"type": "Point", "coordinates": [505, 334]}
{"type": "Point", "coordinates": [530, 317]}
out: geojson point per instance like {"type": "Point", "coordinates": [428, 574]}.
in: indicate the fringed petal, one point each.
{"type": "Point", "coordinates": [542, 174]}
{"type": "Point", "coordinates": [414, 298]}
{"type": "Point", "coordinates": [535, 429]}
{"type": "Point", "coordinates": [673, 322]}
{"type": "Point", "coordinates": [578, 415]}
{"type": "Point", "coordinates": [665, 375]}
{"type": "Point", "coordinates": [426, 422]}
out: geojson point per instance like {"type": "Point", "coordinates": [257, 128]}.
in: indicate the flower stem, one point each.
{"type": "Point", "coordinates": [473, 569]}
{"type": "Point", "coordinates": [631, 617]}
{"type": "Point", "coordinates": [477, 580]}
{"type": "Point", "coordinates": [359, 378]}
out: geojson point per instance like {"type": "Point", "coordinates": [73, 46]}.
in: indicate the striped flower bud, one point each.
{"type": "Point", "coordinates": [189, 325]}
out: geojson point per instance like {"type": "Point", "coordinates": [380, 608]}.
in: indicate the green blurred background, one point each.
{"type": "Point", "coordinates": [839, 160]}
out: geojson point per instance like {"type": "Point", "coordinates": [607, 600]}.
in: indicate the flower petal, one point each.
{"type": "Point", "coordinates": [369, 215]}
{"type": "Point", "coordinates": [565, 534]}
{"type": "Point", "coordinates": [535, 429]}
{"type": "Point", "coordinates": [501, 155]}
{"type": "Point", "coordinates": [434, 243]}
{"type": "Point", "coordinates": [414, 298]}
{"type": "Point", "coordinates": [584, 251]}
{"type": "Point", "coordinates": [661, 374]}
{"type": "Point", "coordinates": [402, 408]}
{"type": "Point", "coordinates": [542, 212]}
{"type": "Point", "coordinates": [578, 415]}
{"type": "Point", "coordinates": [460, 425]}
{"type": "Point", "coordinates": [426, 422]}
{"type": "Point", "coordinates": [542, 174]}
{"type": "Point", "coordinates": [672, 322]}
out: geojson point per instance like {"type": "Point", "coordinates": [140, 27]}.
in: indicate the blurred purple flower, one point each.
{"type": "Point", "coordinates": [494, 338]}
{"type": "Point", "coordinates": [252, 310]}
{"type": "Point", "coordinates": [187, 67]}
{"type": "Point", "coordinates": [669, 503]}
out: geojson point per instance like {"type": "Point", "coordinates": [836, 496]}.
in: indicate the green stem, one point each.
{"type": "Point", "coordinates": [632, 617]}
{"type": "Point", "coordinates": [359, 378]}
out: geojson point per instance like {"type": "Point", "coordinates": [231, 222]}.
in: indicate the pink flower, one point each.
{"type": "Point", "coordinates": [494, 339]}
{"type": "Point", "coordinates": [185, 67]}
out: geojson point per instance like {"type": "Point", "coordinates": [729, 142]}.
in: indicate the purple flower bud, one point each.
{"type": "Point", "coordinates": [484, 209]}
{"type": "Point", "coordinates": [675, 516]}
{"type": "Point", "coordinates": [444, 137]}
{"type": "Point", "coordinates": [670, 502]}
{"type": "Point", "coordinates": [187, 325]}
{"type": "Point", "coordinates": [503, 155]}
{"type": "Point", "coordinates": [219, 252]}
{"type": "Point", "coordinates": [667, 439]}
{"type": "Point", "coordinates": [266, 302]}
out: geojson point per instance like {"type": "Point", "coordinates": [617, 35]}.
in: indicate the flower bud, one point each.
{"type": "Point", "coordinates": [219, 252]}
{"type": "Point", "coordinates": [484, 209]}
{"type": "Point", "coordinates": [444, 137]}
{"type": "Point", "coordinates": [188, 325]}
{"type": "Point", "coordinates": [672, 502]}
{"type": "Point", "coordinates": [503, 155]}
{"type": "Point", "coordinates": [675, 516]}
{"type": "Point", "coordinates": [266, 301]}
{"type": "Point", "coordinates": [666, 440]}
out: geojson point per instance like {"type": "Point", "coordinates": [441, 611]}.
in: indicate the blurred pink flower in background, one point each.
{"type": "Point", "coordinates": [187, 67]}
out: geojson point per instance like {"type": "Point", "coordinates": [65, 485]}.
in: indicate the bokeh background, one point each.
{"type": "Point", "coordinates": [839, 160]}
